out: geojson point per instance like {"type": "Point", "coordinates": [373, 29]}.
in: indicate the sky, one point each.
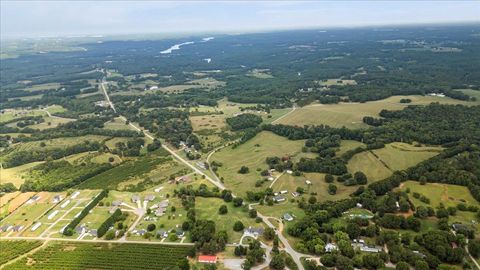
{"type": "Point", "coordinates": [73, 18]}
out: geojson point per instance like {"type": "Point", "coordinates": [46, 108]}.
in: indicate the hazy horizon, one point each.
{"type": "Point", "coordinates": [33, 19]}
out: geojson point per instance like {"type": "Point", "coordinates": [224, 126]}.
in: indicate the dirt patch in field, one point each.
{"type": "Point", "coordinates": [8, 197]}
{"type": "Point", "coordinates": [19, 200]}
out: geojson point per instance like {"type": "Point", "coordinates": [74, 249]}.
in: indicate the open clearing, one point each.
{"type": "Point", "coordinates": [10, 114]}
{"type": "Point", "coordinates": [211, 121]}
{"type": "Point", "coordinates": [207, 208]}
{"type": "Point", "coordinates": [367, 163]}
{"type": "Point", "coordinates": [318, 186]}
{"type": "Point", "coordinates": [260, 73]}
{"type": "Point", "coordinates": [400, 156]}
{"type": "Point", "coordinates": [331, 82]}
{"type": "Point", "coordinates": [15, 175]}
{"type": "Point", "coordinates": [351, 115]}
{"type": "Point", "coordinates": [449, 195]}
{"type": "Point", "coordinates": [252, 154]}
{"type": "Point", "coordinates": [378, 164]}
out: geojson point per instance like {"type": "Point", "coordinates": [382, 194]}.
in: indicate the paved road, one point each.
{"type": "Point", "coordinates": [295, 255]}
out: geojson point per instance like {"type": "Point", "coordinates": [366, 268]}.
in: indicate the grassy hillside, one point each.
{"type": "Point", "coordinates": [252, 154]}
{"type": "Point", "coordinates": [351, 114]}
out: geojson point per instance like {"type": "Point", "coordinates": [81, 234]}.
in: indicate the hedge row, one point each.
{"type": "Point", "coordinates": [68, 230]}
{"type": "Point", "coordinates": [109, 222]}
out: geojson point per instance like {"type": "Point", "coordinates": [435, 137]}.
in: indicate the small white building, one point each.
{"type": "Point", "coordinates": [289, 171]}
{"type": "Point", "coordinates": [52, 215]}
{"type": "Point", "coordinates": [308, 182]}
{"type": "Point", "coordinates": [75, 194]}
{"type": "Point", "coordinates": [287, 217]}
{"type": "Point", "coordinates": [330, 247]}
{"type": "Point", "coordinates": [283, 191]}
{"type": "Point", "coordinates": [36, 226]}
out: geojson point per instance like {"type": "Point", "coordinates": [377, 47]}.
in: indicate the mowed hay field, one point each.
{"type": "Point", "coordinates": [380, 163]}
{"type": "Point", "coordinates": [449, 195]}
{"type": "Point", "coordinates": [211, 121]}
{"type": "Point", "coordinates": [252, 154]}
{"type": "Point", "coordinates": [400, 156]}
{"type": "Point", "coordinates": [351, 115]}
{"type": "Point", "coordinates": [318, 186]}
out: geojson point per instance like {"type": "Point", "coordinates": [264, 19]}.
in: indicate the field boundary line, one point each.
{"type": "Point", "coordinates": [25, 254]}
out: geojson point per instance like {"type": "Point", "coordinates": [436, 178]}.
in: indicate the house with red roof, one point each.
{"type": "Point", "coordinates": [207, 259]}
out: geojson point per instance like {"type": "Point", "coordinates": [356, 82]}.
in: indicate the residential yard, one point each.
{"type": "Point", "coordinates": [117, 124]}
{"type": "Point", "coordinates": [10, 114]}
{"type": "Point", "coordinates": [351, 115]}
{"type": "Point", "coordinates": [318, 186]}
{"type": "Point", "coordinates": [15, 203]}
{"type": "Point", "coordinates": [252, 154]}
{"type": "Point", "coordinates": [207, 208]}
{"type": "Point", "coordinates": [28, 213]}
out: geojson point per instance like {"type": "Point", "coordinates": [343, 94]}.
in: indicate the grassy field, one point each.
{"type": "Point", "coordinates": [252, 154]}
{"type": "Point", "coordinates": [118, 124]}
{"type": "Point", "coordinates": [41, 87]}
{"type": "Point", "coordinates": [260, 73]}
{"type": "Point", "coordinates": [347, 145]}
{"type": "Point", "coordinates": [331, 82]}
{"type": "Point", "coordinates": [15, 175]}
{"type": "Point", "coordinates": [318, 186]}
{"type": "Point", "coordinates": [54, 143]}
{"type": "Point", "coordinates": [51, 122]}
{"type": "Point", "coordinates": [380, 163]}
{"type": "Point", "coordinates": [472, 93]}
{"type": "Point", "coordinates": [96, 217]}
{"type": "Point", "coordinates": [351, 114]}
{"type": "Point", "coordinates": [211, 121]}
{"type": "Point", "coordinates": [207, 208]}
{"type": "Point", "coordinates": [14, 203]}
{"type": "Point", "coordinates": [370, 165]}
{"type": "Point", "coordinates": [449, 195]}
{"type": "Point", "coordinates": [10, 249]}
{"type": "Point", "coordinates": [10, 114]}
{"type": "Point", "coordinates": [29, 212]}
{"type": "Point", "coordinates": [65, 255]}
{"type": "Point", "coordinates": [400, 156]}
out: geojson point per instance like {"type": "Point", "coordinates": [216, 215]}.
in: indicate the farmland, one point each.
{"type": "Point", "coordinates": [448, 195]}
{"type": "Point", "coordinates": [351, 114]}
{"type": "Point", "coordinates": [380, 163]}
{"type": "Point", "coordinates": [10, 249]}
{"type": "Point", "coordinates": [61, 255]}
{"type": "Point", "coordinates": [252, 154]}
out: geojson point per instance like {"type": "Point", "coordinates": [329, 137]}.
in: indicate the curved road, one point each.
{"type": "Point", "coordinates": [295, 255]}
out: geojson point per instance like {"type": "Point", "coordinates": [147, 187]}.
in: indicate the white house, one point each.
{"type": "Point", "coordinates": [330, 247]}
{"type": "Point", "coordinates": [287, 217]}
